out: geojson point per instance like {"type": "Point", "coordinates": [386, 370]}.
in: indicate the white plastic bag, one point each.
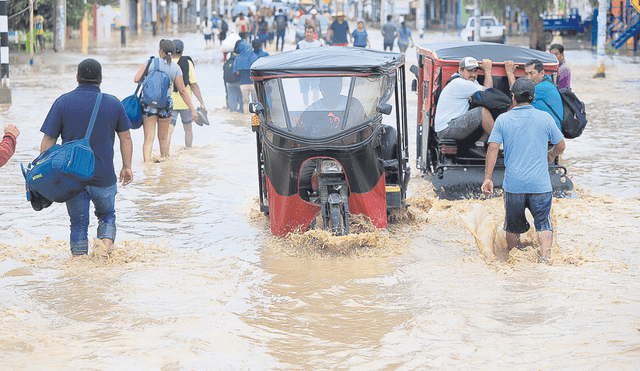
{"type": "Point", "coordinates": [230, 42]}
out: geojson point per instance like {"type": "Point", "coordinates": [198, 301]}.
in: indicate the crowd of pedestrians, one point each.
{"type": "Point", "coordinates": [271, 27]}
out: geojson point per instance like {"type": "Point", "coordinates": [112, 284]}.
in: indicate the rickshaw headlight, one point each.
{"type": "Point", "coordinates": [330, 167]}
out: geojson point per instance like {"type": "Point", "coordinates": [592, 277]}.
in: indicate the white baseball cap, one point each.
{"type": "Point", "coordinates": [313, 11]}
{"type": "Point", "coordinates": [469, 63]}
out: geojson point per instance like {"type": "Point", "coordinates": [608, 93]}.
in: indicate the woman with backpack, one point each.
{"type": "Point", "coordinates": [159, 76]}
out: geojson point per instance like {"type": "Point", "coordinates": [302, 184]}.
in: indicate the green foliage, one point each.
{"type": "Point", "coordinates": [538, 6]}
{"type": "Point", "coordinates": [46, 8]}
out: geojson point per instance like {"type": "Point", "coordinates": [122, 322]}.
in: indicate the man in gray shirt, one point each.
{"type": "Point", "coordinates": [389, 32]}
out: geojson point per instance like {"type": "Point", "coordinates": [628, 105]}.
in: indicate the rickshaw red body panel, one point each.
{"type": "Point", "coordinates": [289, 213]}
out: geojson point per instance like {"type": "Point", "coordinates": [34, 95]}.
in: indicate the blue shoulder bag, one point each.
{"type": "Point", "coordinates": [132, 103]}
{"type": "Point", "coordinates": [62, 171]}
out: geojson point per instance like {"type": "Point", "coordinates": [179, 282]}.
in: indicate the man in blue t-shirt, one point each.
{"type": "Point", "coordinates": [525, 133]}
{"type": "Point", "coordinates": [69, 118]}
{"type": "Point", "coordinates": [547, 95]}
{"type": "Point", "coordinates": [338, 31]}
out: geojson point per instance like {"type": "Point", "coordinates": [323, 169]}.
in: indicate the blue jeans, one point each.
{"type": "Point", "coordinates": [235, 97]}
{"type": "Point", "coordinates": [280, 35]}
{"type": "Point", "coordinates": [104, 199]}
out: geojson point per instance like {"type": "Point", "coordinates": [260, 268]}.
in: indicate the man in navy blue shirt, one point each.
{"type": "Point", "coordinates": [338, 31]}
{"type": "Point", "coordinates": [69, 118]}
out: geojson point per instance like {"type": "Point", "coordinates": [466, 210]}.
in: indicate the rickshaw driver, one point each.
{"type": "Point", "coordinates": [453, 119]}
{"type": "Point", "coordinates": [326, 115]}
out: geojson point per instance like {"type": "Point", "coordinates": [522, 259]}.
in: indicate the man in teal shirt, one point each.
{"type": "Point", "coordinates": [547, 96]}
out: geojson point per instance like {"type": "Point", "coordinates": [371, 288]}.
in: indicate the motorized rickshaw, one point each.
{"type": "Point", "coordinates": [321, 143]}
{"type": "Point", "coordinates": [457, 172]}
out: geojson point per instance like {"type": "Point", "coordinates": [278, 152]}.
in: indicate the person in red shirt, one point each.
{"type": "Point", "coordinates": [8, 144]}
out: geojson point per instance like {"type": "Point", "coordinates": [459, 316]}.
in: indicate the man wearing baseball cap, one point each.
{"type": "Point", "coordinates": [69, 118]}
{"type": "Point", "coordinates": [525, 133]}
{"type": "Point", "coordinates": [313, 21]}
{"type": "Point", "coordinates": [453, 119]}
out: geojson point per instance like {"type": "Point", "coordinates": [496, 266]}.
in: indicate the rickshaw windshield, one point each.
{"type": "Point", "coordinates": [316, 107]}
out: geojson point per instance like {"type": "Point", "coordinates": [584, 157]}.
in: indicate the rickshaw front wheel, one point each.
{"type": "Point", "coordinates": [336, 220]}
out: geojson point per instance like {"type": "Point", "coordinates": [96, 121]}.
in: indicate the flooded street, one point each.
{"type": "Point", "coordinates": [196, 281]}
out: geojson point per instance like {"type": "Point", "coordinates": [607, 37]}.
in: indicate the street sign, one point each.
{"type": "Point", "coordinates": [636, 4]}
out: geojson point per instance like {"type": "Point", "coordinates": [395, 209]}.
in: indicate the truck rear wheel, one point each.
{"type": "Point", "coordinates": [548, 37]}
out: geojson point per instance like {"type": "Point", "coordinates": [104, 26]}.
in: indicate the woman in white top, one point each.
{"type": "Point", "coordinates": [207, 31]}
{"type": "Point", "coordinates": [162, 116]}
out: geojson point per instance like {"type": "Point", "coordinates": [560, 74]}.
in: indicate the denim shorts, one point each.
{"type": "Point", "coordinates": [185, 115]}
{"type": "Point", "coordinates": [462, 126]}
{"type": "Point", "coordinates": [515, 204]}
{"type": "Point", "coordinates": [162, 113]}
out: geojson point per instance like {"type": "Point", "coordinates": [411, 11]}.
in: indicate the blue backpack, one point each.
{"type": "Point", "coordinates": [155, 88]}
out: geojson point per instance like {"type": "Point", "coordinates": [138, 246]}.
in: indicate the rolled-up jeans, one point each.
{"type": "Point", "coordinates": [104, 199]}
{"type": "Point", "coordinates": [235, 97]}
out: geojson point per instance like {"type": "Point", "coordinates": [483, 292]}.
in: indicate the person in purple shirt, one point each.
{"type": "Point", "coordinates": [564, 73]}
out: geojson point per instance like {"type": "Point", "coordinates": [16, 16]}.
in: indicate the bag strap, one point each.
{"type": "Point", "coordinates": [554, 112]}
{"type": "Point", "coordinates": [146, 70]}
{"type": "Point", "coordinates": [93, 116]}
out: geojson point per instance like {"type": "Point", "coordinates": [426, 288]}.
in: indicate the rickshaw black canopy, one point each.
{"type": "Point", "coordinates": [334, 60]}
{"type": "Point", "coordinates": [498, 53]}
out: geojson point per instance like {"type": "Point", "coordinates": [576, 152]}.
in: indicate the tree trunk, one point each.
{"type": "Point", "coordinates": [536, 29]}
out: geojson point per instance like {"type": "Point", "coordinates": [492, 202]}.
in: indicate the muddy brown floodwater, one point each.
{"type": "Point", "coordinates": [196, 281]}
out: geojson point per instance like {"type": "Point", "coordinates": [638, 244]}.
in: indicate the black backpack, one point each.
{"type": "Point", "coordinates": [224, 27]}
{"type": "Point", "coordinates": [263, 27]}
{"type": "Point", "coordinates": [492, 99]}
{"type": "Point", "coordinates": [281, 22]}
{"type": "Point", "coordinates": [575, 117]}
{"type": "Point", "coordinates": [228, 74]}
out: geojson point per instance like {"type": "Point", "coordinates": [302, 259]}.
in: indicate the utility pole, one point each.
{"type": "Point", "coordinates": [31, 32]}
{"type": "Point", "coordinates": [420, 18]}
{"type": "Point", "coordinates": [476, 30]}
{"type": "Point", "coordinates": [443, 5]}
{"type": "Point", "coordinates": [124, 21]}
{"type": "Point", "coordinates": [602, 36]}
{"type": "Point", "coordinates": [60, 34]}
{"type": "Point", "coordinates": [198, 13]}
{"type": "Point", "coordinates": [383, 11]}
{"type": "Point", "coordinates": [5, 90]}
{"type": "Point", "coordinates": [154, 16]}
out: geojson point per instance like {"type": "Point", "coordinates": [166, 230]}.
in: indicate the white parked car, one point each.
{"type": "Point", "coordinates": [490, 30]}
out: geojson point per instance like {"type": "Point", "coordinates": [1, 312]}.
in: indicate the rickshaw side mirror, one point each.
{"type": "Point", "coordinates": [256, 107]}
{"type": "Point", "coordinates": [414, 85]}
{"type": "Point", "coordinates": [414, 70]}
{"type": "Point", "coordinates": [384, 108]}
